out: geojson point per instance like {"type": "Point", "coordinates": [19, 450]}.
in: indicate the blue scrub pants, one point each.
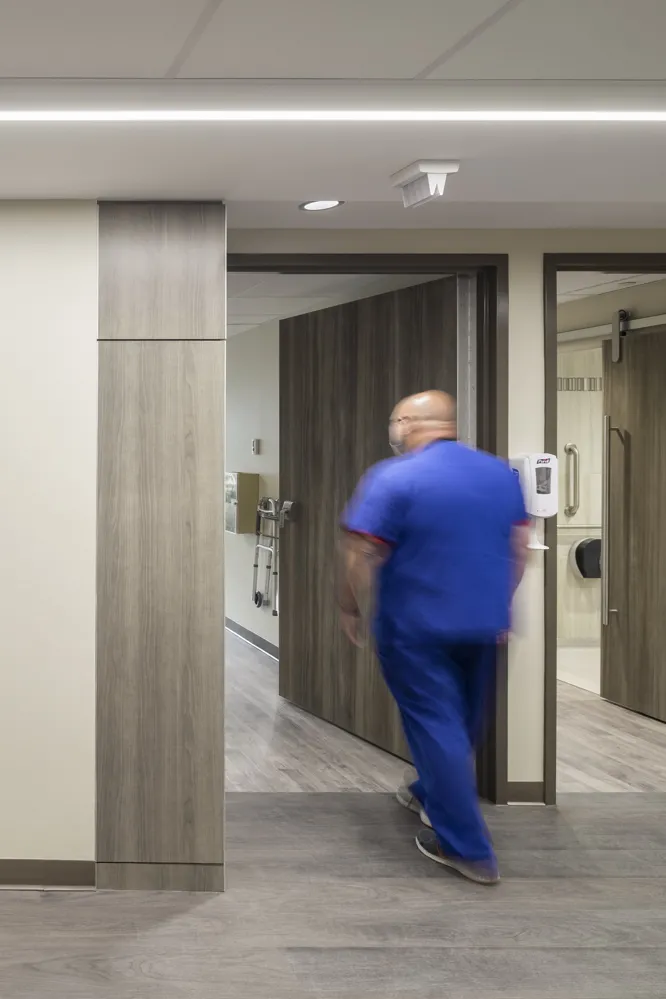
{"type": "Point", "coordinates": [442, 692]}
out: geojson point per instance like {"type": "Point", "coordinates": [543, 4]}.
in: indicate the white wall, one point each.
{"type": "Point", "coordinates": [253, 410]}
{"type": "Point", "coordinates": [579, 421]}
{"type": "Point", "coordinates": [526, 384]}
{"type": "Point", "coordinates": [48, 456]}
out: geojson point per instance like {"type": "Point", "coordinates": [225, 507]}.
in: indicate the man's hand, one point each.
{"type": "Point", "coordinates": [351, 624]}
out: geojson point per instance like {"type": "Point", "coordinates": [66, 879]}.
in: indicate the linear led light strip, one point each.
{"type": "Point", "coordinates": [221, 115]}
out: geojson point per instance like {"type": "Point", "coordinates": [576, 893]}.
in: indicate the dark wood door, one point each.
{"type": "Point", "coordinates": [633, 672]}
{"type": "Point", "coordinates": [341, 372]}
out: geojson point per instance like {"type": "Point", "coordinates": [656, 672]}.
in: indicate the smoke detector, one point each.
{"type": "Point", "coordinates": [423, 181]}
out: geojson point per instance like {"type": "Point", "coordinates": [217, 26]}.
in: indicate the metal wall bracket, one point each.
{"type": "Point", "coordinates": [621, 321]}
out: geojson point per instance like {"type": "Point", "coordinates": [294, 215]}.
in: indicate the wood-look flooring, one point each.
{"type": "Point", "coordinates": [273, 746]}
{"type": "Point", "coordinates": [328, 898]}
{"type": "Point", "coordinates": [602, 747]}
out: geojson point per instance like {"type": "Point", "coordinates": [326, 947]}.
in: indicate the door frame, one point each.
{"type": "Point", "coordinates": [621, 263]}
{"type": "Point", "coordinates": [492, 411]}
{"type": "Point", "coordinates": [492, 384]}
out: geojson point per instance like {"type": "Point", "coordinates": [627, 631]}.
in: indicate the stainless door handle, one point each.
{"type": "Point", "coordinates": [606, 609]}
{"type": "Point", "coordinates": [573, 458]}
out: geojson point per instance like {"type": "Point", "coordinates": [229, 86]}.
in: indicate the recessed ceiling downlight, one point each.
{"type": "Point", "coordinates": [319, 206]}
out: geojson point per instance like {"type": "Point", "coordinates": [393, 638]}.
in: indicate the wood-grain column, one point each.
{"type": "Point", "coordinates": [160, 613]}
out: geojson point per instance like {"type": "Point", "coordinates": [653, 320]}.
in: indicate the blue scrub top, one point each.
{"type": "Point", "coordinates": [446, 513]}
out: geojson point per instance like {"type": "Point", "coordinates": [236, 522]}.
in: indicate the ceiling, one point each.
{"type": "Point", "coordinates": [334, 39]}
{"type": "Point", "coordinates": [342, 53]}
{"type": "Point", "coordinates": [255, 299]}
{"type": "Point", "coordinates": [575, 285]}
{"type": "Point", "coordinates": [510, 176]}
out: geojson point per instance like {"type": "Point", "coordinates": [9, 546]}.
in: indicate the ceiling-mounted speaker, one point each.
{"type": "Point", "coordinates": [423, 181]}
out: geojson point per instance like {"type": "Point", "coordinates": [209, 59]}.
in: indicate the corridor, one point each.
{"type": "Point", "coordinates": [329, 899]}
{"type": "Point", "coordinates": [273, 746]}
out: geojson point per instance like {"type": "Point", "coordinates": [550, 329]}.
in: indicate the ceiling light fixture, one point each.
{"type": "Point", "coordinates": [319, 206]}
{"type": "Point", "coordinates": [185, 115]}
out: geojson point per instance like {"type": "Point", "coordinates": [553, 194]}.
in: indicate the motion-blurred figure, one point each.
{"type": "Point", "coordinates": [441, 531]}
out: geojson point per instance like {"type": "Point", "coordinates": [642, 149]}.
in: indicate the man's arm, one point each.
{"type": "Point", "coordinates": [361, 556]}
{"type": "Point", "coordinates": [372, 527]}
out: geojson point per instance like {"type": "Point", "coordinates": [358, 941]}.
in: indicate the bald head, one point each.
{"type": "Point", "coordinates": [420, 419]}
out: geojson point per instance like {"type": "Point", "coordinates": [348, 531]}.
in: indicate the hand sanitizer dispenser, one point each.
{"type": "Point", "coordinates": [538, 479]}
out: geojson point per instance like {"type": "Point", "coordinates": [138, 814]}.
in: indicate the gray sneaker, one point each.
{"type": "Point", "coordinates": [480, 871]}
{"type": "Point", "coordinates": [408, 800]}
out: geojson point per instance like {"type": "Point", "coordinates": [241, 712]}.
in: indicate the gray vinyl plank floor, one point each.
{"type": "Point", "coordinates": [602, 747]}
{"type": "Point", "coordinates": [328, 898]}
{"type": "Point", "coordinates": [274, 746]}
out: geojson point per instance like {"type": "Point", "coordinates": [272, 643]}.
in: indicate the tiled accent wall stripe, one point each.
{"type": "Point", "coordinates": [579, 384]}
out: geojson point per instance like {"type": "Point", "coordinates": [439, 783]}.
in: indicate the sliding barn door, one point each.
{"type": "Point", "coordinates": [341, 372]}
{"type": "Point", "coordinates": [633, 647]}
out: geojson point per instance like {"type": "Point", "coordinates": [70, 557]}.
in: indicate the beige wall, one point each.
{"type": "Point", "coordinates": [48, 393]}
{"type": "Point", "coordinates": [48, 412]}
{"type": "Point", "coordinates": [253, 410]}
{"type": "Point", "coordinates": [526, 426]}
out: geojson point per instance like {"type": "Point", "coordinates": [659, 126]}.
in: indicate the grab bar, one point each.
{"type": "Point", "coordinates": [573, 458]}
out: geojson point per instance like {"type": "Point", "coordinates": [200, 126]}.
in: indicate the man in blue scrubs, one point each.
{"type": "Point", "coordinates": [441, 531]}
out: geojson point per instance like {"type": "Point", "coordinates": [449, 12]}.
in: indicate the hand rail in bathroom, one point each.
{"type": "Point", "coordinates": [573, 458]}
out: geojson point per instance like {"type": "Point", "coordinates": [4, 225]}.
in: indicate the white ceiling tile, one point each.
{"type": "Point", "coordinates": [233, 329]}
{"type": "Point", "coordinates": [575, 282]}
{"type": "Point", "coordinates": [272, 306]}
{"type": "Point", "coordinates": [245, 313]}
{"type": "Point", "coordinates": [234, 318]}
{"type": "Point", "coordinates": [567, 40]}
{"type": "Point", "coordinates": [329, 286]}
{"type": "Point", "coordinates": [239, 283]}
{"type": "Point", "coordinates": [93, 38]}
{"type": "Point", "coordinates": [283, 286]}
{"type": "Point", "coordinates": [342, 39]}
{"type": "Point", "coordinates": [577, 285]}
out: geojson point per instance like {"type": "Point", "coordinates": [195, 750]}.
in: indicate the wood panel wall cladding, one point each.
{"type": "Point", "coordinates": [160, 637]}
{"type": "Point", "coordinates": [341, 372]}
{"type": "Point", "coordinates": [162, 271]}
